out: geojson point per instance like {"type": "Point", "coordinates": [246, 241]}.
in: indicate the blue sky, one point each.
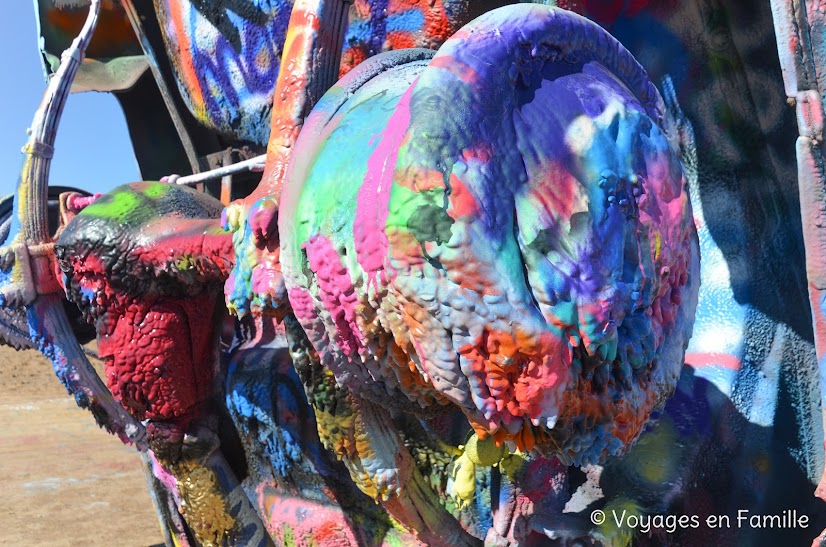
{"type": "Point", "coordinates": [92, 150]}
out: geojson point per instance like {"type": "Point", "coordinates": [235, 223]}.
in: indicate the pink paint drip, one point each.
{"type": "Point", "coordinates": [372, 207]}
{"type": "Point", "coordinates": [263, 218]}
{"type": "Point", "coordinates": [302, 303]}
{"type": "Point", "coordinates": [336, 292]}
{"type": "Point", "coordinates": [165, 477]}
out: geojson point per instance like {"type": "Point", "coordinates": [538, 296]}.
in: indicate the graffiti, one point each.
{"type": "Point", "coordinates": [227, 53]}
{"type": "Point", "coordinates": [227, 60]}
{"type": "Point", "coordinates": [383, 25]}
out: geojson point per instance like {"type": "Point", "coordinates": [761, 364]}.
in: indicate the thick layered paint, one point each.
{"type": "Point", "coordinates": [742, 430]}
{"type": "Point", "coordinates": [297, 485]}
{"type": "Point", "coordinates": [383, 25]}
{"type": "Point", "coordinates": [550, 296]}
{"type": "Point", "coordinates": [145, 264]}
{"type": "Point", "coordinates": [149, 279]}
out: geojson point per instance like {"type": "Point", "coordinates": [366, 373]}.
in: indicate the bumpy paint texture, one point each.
{"type": "Point", "coordinates": [467, 284]}
{"type": "Point", "coordinates": [511, 242]}
{"type": "Point", "coordinates": [145, 264]}
{"type": "Point", "coordinates": [149, 283]}
{"type": "Point", "coordinates": [525, 255]}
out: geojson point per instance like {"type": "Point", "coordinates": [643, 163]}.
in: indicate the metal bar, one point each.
{"type": "Point", "coordinates": [30, 252]}
{"type": "Point", "coordinates": [166, 93]}
{"type": "Point", "coordinates": [253, 164]}
{"type": "Point", "coordinates": [32, 258]}
{"type": "Point", "coordinates": [799, 64]}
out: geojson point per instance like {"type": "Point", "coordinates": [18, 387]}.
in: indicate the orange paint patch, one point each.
{"type": "Point", "coordinates": [289, 101]}
{"type": "Point", "coordinates": [404, 247]}
{"type": "Point", "coordinates": [481, 153]}
{"type": "Point", "coordinates": [113, 35]}
{"type": "Point", "coordinates": [186, 64]}
{"type": "Point", "coordinates": [436, 22]}
{"type": "Point", "coordinates": [557, 196]}
{"type": "Point", "coordinates": [362, 9]}
{"type": "Point", "coordinates": [400, 40]}
{"type": "Point", "coordinates": [350, 58]}
{"type": "Point", "coordinates": [462, 201]}
{"type": "Point", "coordinates": [420, 179]}
{"type": "Point", "coordinates": [401, 6]}
{"type": "Point", "coordinates": [517, 370]}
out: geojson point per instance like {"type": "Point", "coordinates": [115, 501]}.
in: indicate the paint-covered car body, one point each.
{"type": "Point", "coordinates": [742, 431]}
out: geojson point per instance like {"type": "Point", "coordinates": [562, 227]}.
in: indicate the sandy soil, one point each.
{"type": "Point", "coordinates": [64, 481]}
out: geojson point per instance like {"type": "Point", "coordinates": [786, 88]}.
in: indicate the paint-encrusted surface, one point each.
{"type": "Point", "coordinates": [148, 279]}
{"type": "Point", "coordinates": [512, 237]}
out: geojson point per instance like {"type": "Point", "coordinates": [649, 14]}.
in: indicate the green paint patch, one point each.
{"type": "Point", "coordinates": [157, 190]}
{"type": "Point", "coordinates": [393, 540]}
{"type": "Point", "coordinates": [184, 262]}
{"type": "Point", "coordinates": [619, 534]}
{"type": "Point", "coordinates": [287, 537]}
{"type": "Point", "coordinates": [511, 464]}
{"type": "Point", "coordinates": [396, 525]}
{"type": "Point", "coordinates": [116, 205]}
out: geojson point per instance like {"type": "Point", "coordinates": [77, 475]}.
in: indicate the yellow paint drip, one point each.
{"type": "Point", "coordinates": [463, 487]}
{"type": "Point", "coordinates": [201, 503]}
{"type": "Point", "coordinates": [619, 536]}
{"type": "Point", "coordinates": [336, 432]}
{"type": "Point", "coordinates": [658, 245]}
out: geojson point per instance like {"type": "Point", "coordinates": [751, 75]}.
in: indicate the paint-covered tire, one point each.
{"type": "Point", "coordinates": [504, 230]}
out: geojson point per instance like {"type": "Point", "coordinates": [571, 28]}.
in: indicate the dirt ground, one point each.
{"type": "Point", "coordinates": [64, 481]}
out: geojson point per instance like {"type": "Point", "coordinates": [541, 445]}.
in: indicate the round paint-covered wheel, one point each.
{"type": "Point", "coordinates": [503, 228]}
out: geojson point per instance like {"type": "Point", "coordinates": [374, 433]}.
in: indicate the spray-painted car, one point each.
{"type": "Point", "coordinates": [520, 279]}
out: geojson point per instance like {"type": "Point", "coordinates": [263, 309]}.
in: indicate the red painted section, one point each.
{"type": "Point", "coordinates": [515, 374]}
{"type": "Point", "coordinates": [160, 355]}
